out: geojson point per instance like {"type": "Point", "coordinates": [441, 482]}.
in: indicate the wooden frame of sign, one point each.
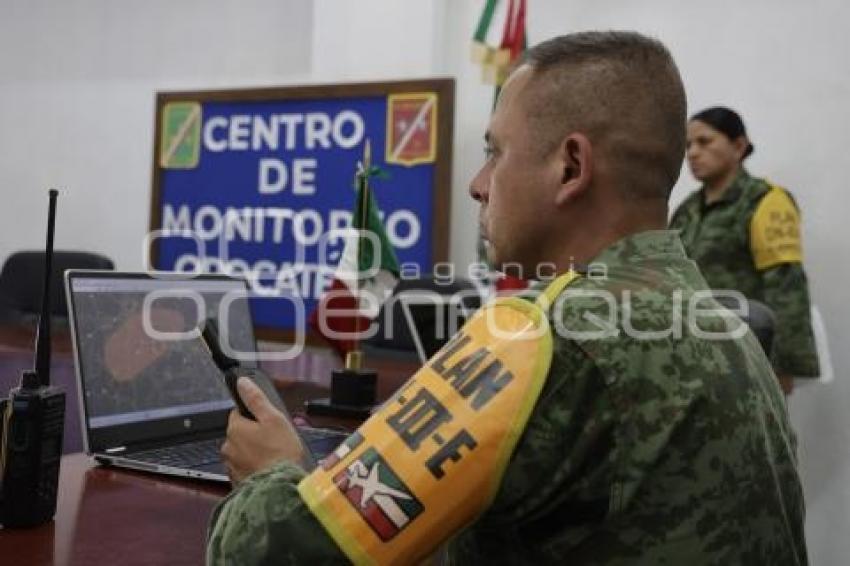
{"type": "Point", "coordinates": [441, 190]}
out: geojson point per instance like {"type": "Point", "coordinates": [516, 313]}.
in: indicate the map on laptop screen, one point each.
{"type": "Point", "coordinates": [138, 361]}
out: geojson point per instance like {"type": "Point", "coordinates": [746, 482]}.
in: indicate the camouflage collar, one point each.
{"type": "Point", "coordinates": [638, 247]}
{"type": "Point", "coordinates": [734, 191]}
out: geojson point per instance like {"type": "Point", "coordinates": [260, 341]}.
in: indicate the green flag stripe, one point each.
{"type": "Point", "coordinates": [388, 260]}
{"type": "Point", "coordinates": [485, 20]}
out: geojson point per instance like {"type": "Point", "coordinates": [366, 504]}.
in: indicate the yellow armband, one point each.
{"type": "Point", "coordinates": [430, 461]}
{"type": "Point", "coordinates": [775, 231]}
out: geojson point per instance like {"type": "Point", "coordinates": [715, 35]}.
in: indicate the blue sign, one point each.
{"type": "Point", "coordinates": [261, 183]}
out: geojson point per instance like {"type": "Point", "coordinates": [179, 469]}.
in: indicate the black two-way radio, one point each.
{"type": "Point", "coordinates": [232, 370]}
{"type": "Point", "coordinates": [33, 419]}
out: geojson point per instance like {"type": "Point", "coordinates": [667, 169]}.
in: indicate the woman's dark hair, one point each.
{"type": "Point", "coordinates": [727, 122]}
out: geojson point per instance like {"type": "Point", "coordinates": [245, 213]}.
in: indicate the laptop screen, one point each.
{"type": "Point", "coordinates": [139, 358]}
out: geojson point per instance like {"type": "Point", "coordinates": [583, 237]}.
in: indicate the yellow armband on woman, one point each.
{"type": "Point", "coordinates": [775, 230]}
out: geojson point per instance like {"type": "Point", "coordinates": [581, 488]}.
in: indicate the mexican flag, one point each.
{"type": "Point", "coordinates": [368, 267]}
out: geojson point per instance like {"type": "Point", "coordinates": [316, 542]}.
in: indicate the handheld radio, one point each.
{"type": "Point", "coordinates": [232, 371]}
{"type": "Point", "coordinates": [32, 425]}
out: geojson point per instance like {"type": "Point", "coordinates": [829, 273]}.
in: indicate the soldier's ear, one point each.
{"type": "Point", "coordinates": [576, 160]}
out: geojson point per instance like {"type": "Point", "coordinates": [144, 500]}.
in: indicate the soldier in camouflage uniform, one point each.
{"type": "Point", "coordinates": [658, 437]}
{"type": "Point", "coordinates": [744, 234]}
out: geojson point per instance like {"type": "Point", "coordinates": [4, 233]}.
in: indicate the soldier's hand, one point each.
{"type": "Point", "coordinates": [252, 446]}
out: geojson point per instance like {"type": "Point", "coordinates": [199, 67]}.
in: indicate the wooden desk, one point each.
{"type": "Point", "coordinates": [110, 516]}
{"type": "Point", "coordinates": [107, 516]}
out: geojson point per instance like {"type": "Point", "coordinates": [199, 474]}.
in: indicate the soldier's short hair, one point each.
{"type": "Point", "coordinates": [621, 89]}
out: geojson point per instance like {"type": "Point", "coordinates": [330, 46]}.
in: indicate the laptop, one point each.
{"type": "Point", "coordinates": [151, 398]}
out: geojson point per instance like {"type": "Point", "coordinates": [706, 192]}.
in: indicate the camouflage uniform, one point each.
{"type": "Point", "coordinates": [669, 450]}
{"type": "Point", "coordinates": [717, 237]}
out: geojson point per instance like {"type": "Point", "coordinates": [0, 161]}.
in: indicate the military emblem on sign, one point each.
{"type": "Point", "coordinates": [378, 494]}
{"type": "Point", "coordinates": [411, 128]}
{"type": "Point", "coordinates": [180, 145]}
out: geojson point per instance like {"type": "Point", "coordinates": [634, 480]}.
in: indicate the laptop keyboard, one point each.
{"type": "Point", "coordinates": [322, 441]}
{"type": "Point", "coordinates": [188, 455]}
{"type": "Point", "coordinates": [319, 441]}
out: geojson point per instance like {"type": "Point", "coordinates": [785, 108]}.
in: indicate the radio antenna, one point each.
{"type": "Point", "coordinates": [42, 344]}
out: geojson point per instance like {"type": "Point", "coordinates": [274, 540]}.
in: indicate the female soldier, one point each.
{"type": "Point", "coordinates": [744, 233]}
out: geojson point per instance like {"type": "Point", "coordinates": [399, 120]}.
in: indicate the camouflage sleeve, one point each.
{"type": "Point", "coordinates": [264, 521]}
{"type": "Point", "coordinates": [562, 459]}
{"type": "Point", "coordinates": [786, 292]}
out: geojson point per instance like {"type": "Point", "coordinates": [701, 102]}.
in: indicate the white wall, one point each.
{"type": "Point", "coordinates": [76, 111]}
{"type": "Point", "coordinates": [77, 84]}
{"type": "Point", "coordinates": [372, 40]}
